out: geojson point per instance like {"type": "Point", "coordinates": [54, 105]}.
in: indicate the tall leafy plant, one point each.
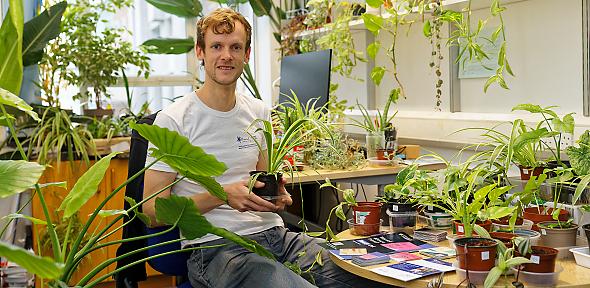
{"type": "Point", "coordinates": [170, 147]}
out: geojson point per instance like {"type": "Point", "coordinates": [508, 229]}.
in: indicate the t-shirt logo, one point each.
{"type": "Point", "coordinates": [244, 142]}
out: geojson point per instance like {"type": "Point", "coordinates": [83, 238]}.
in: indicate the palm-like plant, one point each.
{"type": "Point", "coordinates": [383, 120]}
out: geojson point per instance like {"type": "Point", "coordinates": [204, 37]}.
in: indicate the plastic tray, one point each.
{"type": "Point", "coordinates": [539, 279]}
{"type": "Point", "coordinates": [475, 277]}
{"type": "Point", "coordinates": [582, 256]}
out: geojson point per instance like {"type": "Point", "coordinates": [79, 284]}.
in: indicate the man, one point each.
{"type": "Point", "coordinates": [215, 118]}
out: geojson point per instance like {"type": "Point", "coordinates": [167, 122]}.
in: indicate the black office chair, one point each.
{"type": "Point", "coordinates": [174, 264]}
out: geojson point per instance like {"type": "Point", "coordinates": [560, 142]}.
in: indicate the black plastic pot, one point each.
{"type": "Point", "coordinates": [400, 207]}
{"type": "Point", "coordinates": [271, 184]}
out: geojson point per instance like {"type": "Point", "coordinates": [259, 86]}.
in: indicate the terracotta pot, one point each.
{"type": "Point", "coordinates": [557, 237]}
{"type": "Point", "coordinates": [532, 213]}
{"type": "Point", "coordinates": [505, 237]}
{"type": "Point", "coordinates": [527, 172]}
{"type": "Point", "coordinates": [271, 185]}
{"type": "Point", "coordinates": [544, 256]}
{"type": "Point", "coordinates": [459, 229]}
{"type": "Point", "coordinates": [385, 154]}
{"type": "Point", "coordinates": [506, 221]}
{"type": "Point", "coordinates": [367, 213]}
{"type": "Point", "coordinates": [476, 254]}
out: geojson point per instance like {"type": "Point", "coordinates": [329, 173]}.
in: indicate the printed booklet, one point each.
{"type": "Point", "coordinates": [411, 270]}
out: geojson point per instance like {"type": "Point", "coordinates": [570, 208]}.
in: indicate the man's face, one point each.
{"type": "Point", "coordinates": [224, 55]}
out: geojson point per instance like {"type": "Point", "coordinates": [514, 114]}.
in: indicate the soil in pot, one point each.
{"type": "Point", "coordinates": [476, 254]}
{"type": "Point", "coordinates": [506, 221]}
{"type": "Point", "coordinates": [544, 258]}
{"type": "Point", "coordinates": [532, 213]}
{"type": "Point", "coordinates": [270, 191]}
{"type": "Point", "coordinates": [367, 213]}
{"type": "Point", "coordinates": [527, 172]}
{"type": "Point", "coordinates": [556, 236]}
{"type": "Point", "coordinates": [459, 229]}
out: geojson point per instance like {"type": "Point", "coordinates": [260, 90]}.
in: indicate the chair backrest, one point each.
{"type": "Point", "coordinates": [174, 264]}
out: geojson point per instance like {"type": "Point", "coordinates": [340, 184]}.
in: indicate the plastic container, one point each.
{"type": "Point", "coordinates": [439, 220]}
{"type": "Point", "coordinates": [401, 220]}
{"type": "Point", "coordinates": [582, 256]}
{"type": "Point", "coordinates": [526, 225]}
{"type": "Point", "coordinates": [364, 229]}
{"type": "Point", "coordinates": [539, 279]}
{"type": "Point", "coordinates": [475, 277]}
{"type": "Point", "coordinates": [451, 238]}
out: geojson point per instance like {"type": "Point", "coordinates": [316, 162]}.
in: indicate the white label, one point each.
{"type": "Point", "coordinates": [430, 207]}
{"type": "Point", "coordinates": [485, 255]}
{"type": "Point", "coordinates": [393, 207]}
{"type": "Point", "coordinates": [536, 259]}
{"type": "Point", "coordinates": [525, 171]}
{"type": "Point", "coordinates": [460, 229]}
{"type": "Point", "coordinates": [543, 231]}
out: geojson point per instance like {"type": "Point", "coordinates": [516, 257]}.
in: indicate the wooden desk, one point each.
{"type": "Point", "coordinates": [571, 276]}
{"type": "Point", "coordinates": [368, 175]}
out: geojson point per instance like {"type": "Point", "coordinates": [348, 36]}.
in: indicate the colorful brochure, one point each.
{"type": "Point", "coordinates": [411, 270]}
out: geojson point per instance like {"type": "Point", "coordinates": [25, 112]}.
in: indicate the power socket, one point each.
{"type": "Point", "coordinates": [567, 139]}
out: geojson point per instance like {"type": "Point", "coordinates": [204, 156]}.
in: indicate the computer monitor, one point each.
{"type": "Point", "coordinates": [308, 75]}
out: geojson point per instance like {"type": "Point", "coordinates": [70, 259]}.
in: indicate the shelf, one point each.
{"type": "Point", "coordinates": [457, 5]}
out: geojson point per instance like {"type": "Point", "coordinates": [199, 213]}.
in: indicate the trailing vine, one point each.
{"type": "Point", "coordinates": [432, 31]}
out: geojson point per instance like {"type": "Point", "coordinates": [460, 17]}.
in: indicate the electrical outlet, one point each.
{"type": "Point", "coordinates": [567, 139]}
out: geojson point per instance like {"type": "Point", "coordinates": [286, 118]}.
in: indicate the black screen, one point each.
{"type": "Point", "coordinates": [308, 75]}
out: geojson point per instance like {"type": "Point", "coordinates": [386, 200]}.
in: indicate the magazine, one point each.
{"type": "Point", "coordinates": [411, 270]}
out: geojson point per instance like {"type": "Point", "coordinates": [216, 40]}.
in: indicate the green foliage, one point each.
{"type": "Point", "coordinates": [340, 40]}
{"type": "Point", "coordinates": [18, 176]}
{"type": "Point", "coordinates": [44, 267]}
{"type": "Point", "coordinates": [86, 186]}
{"type": "Point", "coordinates": [318, 13]}
{"type": "Point", "coordinates": [9, 99]}
{"type": "Point", "coordinates": [181, 8]}
{"type": "Point", "coordinates": [98, 56]}
{"type": "Point", "coordinates": [57, 131]}
{"type": "Point", "coordinates": [411, 185]}
{"type": "Point", "coordinates": [169, 45]}
{"type": "Point", "coordinates": [39, 31]}
{"type": "Point", "coordinates": [338, 153]}
{"type": "Point", "coordinates": [109, 127]}
{"type": "Point", "coordinates": [580, 156]}
{"type": "Point", "coordinates": [11, 63]}
{"type": "Point", "coordinates": [383, 120]}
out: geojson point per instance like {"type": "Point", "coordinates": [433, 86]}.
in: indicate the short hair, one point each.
{"type": "Point", "coordinates": [222, 21]}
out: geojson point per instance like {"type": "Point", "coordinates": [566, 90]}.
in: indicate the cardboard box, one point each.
{"type": "Point", "coordinates": [411, 151]}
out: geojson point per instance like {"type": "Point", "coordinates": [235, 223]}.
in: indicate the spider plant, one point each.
{"type": "Point", "coordinates": [382, 121]}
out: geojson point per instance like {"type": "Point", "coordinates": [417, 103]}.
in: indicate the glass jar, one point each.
{"type": "Point", "coordinates": [374, 140]}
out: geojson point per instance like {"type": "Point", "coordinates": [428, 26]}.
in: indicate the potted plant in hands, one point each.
{"type": "Point", "coordinates": [274, 154]}
{"type": "Point", "coordinates": [376, 128]}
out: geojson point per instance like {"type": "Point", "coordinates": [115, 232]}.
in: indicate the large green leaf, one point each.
{"type": "Point", "coordinates": [86, 186]}
{"type": "Point", "coordinates": [40, 30]}
{"type": "Point", "coordinates": [374, 3]}
{"type": "Point", "coordinates": [43, 267]}
{"type": "Point", "coordinates": [182, 8]}
{"type": "Point", "coordinates": [8, 98]}
{"type": "Point", "coordinates": [182, 210]}
{"type": "Point", "coordinates": [169, 45]}
{"type": "Point", "coordinates": [373, 23]}
{"type": "Point", "coordinates": [261, 7]}
{"type": "Point", "coordinates": [209, 183]}
{"type": "Point", "coordinates": [178, 152]}
{"type": "Point", "coordinates": [11, 40]}
{"type": "Point", "coordinates": [17, 176]}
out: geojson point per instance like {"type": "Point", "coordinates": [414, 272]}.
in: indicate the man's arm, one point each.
{"type": "Point", "coordinates": [238, 196]}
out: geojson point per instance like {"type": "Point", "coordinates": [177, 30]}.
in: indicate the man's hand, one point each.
{"type": "Point", "coordinates": [285, 199]}
{"type": "Point", "coordinates": [240, 198]}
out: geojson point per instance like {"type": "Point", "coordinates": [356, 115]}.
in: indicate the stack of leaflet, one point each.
{"type": "Point", "coordinates": [14, 276]}
{"type": "Point", "coordinates": [430, 235]}
{"type": "Point", "coordinates": [370, 259]}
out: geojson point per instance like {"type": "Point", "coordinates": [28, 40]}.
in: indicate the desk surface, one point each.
{"type": "Point", "coordinates": [310, 175]}
{"type": "Point", "coordinates": [572, 275]}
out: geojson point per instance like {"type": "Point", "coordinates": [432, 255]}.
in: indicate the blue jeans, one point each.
{"type": "Point", "coordinates": [233, 266]}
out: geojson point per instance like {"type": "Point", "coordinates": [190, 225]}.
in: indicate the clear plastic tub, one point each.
{"type": "Point", "coordinates": [582, 256]}
{"type": "Point", "coordinates": [364, 229]}
{"type": "Point", "coordinates": [539, 279]}
{"type": "Point", "coordinates": [399, 221]}
{"type": "Point", "coordinates": [439, 220]}
{"type": "Point", "coordinates": [475, 277]}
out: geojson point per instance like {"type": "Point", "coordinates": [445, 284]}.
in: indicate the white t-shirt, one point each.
{"type": "Point", "coordinates": [222, 134]}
